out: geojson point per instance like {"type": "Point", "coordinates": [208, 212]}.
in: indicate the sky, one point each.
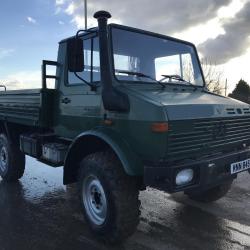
{"type": "Point", "coordinates": [31, 30]}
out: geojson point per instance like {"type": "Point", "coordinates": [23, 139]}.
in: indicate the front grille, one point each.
{"type": "Point", "coordinates": [207, 135]}
{"type": "Point", "coordinates": [239, 111]}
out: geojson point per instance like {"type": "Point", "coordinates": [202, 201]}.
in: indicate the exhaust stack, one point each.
{"type": "Point", "coordinates": [113, 99]}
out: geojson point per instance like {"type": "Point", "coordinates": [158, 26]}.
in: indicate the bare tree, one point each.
{"type": "Point", "coordinates": [213, 76]}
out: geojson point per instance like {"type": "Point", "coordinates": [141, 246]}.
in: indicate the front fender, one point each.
{"type": "Point", "coordinates": [94, 140]}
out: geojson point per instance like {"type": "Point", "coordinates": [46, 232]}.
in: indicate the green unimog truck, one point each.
{"type": "Point", "coordinates": [130, 109]}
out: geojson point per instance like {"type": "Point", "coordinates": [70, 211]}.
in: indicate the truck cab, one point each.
{"type": "Point", "coordinates": [160, 107]}
{"type": "Point", "coordinates": [130, 109]}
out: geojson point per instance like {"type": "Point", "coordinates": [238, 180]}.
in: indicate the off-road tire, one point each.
{"type": "Point", "coordinates": [13, 160]}
{"type": "Point", "coordinates": [121, 190]}
{"type": "Point", "coordinates": [212, 194]}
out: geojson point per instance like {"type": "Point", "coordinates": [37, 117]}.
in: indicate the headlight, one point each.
{"type": "Point", "coordinates": [184, 176]}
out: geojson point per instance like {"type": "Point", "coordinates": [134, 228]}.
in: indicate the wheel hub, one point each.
{"type": "Point", "coordinates": [94, 200]}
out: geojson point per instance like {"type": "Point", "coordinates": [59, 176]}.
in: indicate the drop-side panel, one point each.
{"type": "Point", "coordinates": [32, 107]}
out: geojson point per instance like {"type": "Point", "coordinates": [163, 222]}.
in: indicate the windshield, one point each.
{"type": "Point", "coordinates": [155, 57]}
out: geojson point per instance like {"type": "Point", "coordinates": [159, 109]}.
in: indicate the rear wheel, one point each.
{"type": "Point", "coordinates": [109, 197]}
{"type": "Point", "coordinates": [212, 194]}
{"type": "Point", "coordinates": [12, 160]}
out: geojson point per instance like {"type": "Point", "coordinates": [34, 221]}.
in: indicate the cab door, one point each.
{"type": "Point", "coordinates": [79, 106]}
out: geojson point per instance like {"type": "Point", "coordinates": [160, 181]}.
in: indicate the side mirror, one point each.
{"type": "Point", "coordinates": [75, 55]}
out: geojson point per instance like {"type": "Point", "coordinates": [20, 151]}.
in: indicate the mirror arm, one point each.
{"type": "Point", "coordinates": [85, 32]}
{"type": "Point", "coordinates": [92, 87]}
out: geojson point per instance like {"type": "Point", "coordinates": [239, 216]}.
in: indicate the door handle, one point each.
{"type": "Point", "coordinates": [66, 100]}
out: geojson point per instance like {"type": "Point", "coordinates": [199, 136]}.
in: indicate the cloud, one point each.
{"type": "Point", "coordinates": [5, 52]}
{"type": "Point", "coordinates": [61, 22]}
{"type": "Point", "coordinates": [31, 20]}
{"type": "Point", "coordinates": [22, 80]}
{"type": "Point", "coordinates": [166, 16]}
{"type": "Point", "coordinates": [27, 79]}
{"type": "Point", "coordinates": [227, 38]}
{"type": "Point", "coordinates": [234, 42]}
{"type": "Point", "coordinates": [60, 2]}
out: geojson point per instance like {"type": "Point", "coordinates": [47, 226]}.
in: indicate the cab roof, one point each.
{"type": "Point", "coordinates": [95, 29]}
{"type": "Point", "coordinates": [83, 32]}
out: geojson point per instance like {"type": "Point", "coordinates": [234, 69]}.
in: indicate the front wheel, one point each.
{"type": "Point", "coordinates": [12, 160]}
{"type": "Point", "coordinates": [212, 194]}
{"type": "Point", "coordinates": [109, 197]}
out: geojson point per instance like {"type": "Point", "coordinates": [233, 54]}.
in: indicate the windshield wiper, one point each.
{"type": "Point", "coordinates": [170, 77]}
{"type": "Point", "coordinates": [178, 78]}
{"type": "Point", "coordinates": [139, 74]}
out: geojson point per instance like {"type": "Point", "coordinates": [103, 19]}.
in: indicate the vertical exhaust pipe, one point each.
{"type": "Point", "coordinates": [102, 18]}
{"type": "Point", "coordinates": [113, 99]}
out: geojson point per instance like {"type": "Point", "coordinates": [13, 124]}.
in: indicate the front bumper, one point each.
{"type": "Point", "coordinates": [208, 172]}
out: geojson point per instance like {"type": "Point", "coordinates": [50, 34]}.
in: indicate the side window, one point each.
{"type": "Point", "coordinates": [91, 71]}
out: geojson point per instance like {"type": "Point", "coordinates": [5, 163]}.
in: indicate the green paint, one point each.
{"type": "Point", "coordinates": [185, 109]}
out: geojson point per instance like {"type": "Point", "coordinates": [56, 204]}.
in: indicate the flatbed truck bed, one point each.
{"type": "Point", "coordinates": [31, 107]}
